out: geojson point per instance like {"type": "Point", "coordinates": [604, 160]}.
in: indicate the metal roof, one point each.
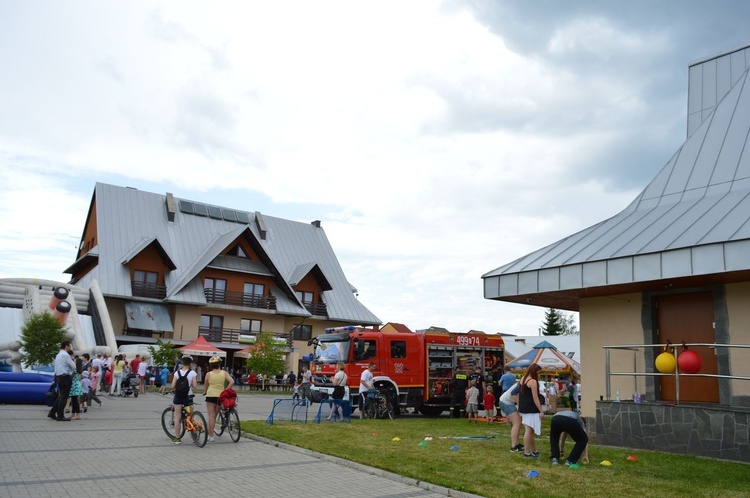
{"type": "Point", "coordinates": [692, 220]}
{"type": "Point", "coordinates": [128, 218]}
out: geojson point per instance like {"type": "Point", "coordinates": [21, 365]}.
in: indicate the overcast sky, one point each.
{"type": "Point", "coordinates": [436, 141]}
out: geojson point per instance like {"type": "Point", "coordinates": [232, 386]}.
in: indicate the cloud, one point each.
{"type": "Point", "coordinates": [435, 140]}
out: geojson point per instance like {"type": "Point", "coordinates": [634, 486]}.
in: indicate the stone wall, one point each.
{"type": "Point", "coordinates": [709, 431]}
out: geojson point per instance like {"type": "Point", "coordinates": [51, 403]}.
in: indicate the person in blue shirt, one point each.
{"type": "Point", "coordinates": [507, 379]}
{"type": "Point", "coordinates": [164, 376]}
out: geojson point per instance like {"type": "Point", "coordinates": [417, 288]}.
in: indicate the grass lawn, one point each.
{"type": "Point", "coordinates": [487, 467]}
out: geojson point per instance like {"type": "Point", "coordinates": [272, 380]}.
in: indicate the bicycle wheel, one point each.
{"type": "Point", "coordinates": [220, 423]}
{"type": "Point", "coordinates": [389, 411]}
{"type": "Point", "coordinates": [233, 422]}
{"type": "Point", "coordinates": [371, 409]}
{"type": "Point", "coordinates": [167, 423]}
{"type": "Point", "coordinates": [200, 433]}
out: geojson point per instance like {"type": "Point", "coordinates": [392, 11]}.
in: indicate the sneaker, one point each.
{"type": "Point", "coordinates": [574, 466]}
{"type": "Point", "coordinates": [516, 449]}
{"type": "Point", "coordinates": [531, 455]}
{"type": "Point", "coordinates": [555, 461]}
{"type": "Point", "coordinates": [535, 453]}
{"type": "Point", "coordinates": [176, 440]}
{"type": "Point", "coordinates": [567, 463]}
{"type": "Point", "coordinates": [211, 439]}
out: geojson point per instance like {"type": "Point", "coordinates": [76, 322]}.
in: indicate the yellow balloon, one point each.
{"type": "Point", "coordinates": [665, 363]}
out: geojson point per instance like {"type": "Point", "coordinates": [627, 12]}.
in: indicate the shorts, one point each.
{"type": "Point", "coordinates": [490, 412]}
{"type": "Point", "coordinates": [213, 399]}
{"type": "Point", "coordinates": [184, 401]}
{"type": "Point", "coordinates": [471, 408]}
{"type": "Point", "coordinates": [508, 410]}
{"type": "Point", "coordinates": [532, 420]}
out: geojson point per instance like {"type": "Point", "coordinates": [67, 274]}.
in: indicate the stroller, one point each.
{"type": "Point", "coordinates": [130, 385]}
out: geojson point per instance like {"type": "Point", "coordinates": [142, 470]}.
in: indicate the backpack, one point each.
{"type": "Point", "coordinates": [182, 386]}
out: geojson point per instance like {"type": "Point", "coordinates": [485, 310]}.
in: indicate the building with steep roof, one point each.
{"type": "Point", "coordinates": [672, 266]}
{"type": "Point", "coordinates": [178, 269]}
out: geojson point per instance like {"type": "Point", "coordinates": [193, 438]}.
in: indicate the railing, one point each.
{"type": "Point", "coordinates": [233, 298]}
{"type": "Point", "coordinates": [232, 336]}
{"type": "Point", "coordinates": [677, 374]}
{"type": "Point", "coordinates": [319, 309]}
{"type": "Point", "coordinates": [145, 289]}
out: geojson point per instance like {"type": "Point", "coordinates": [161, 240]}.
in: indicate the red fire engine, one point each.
{"type": "Point", "coordinates": [416, 367]}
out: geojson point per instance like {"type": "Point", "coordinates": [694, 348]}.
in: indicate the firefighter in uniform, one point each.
{"type": "Point", "coordinates": [459, 383]}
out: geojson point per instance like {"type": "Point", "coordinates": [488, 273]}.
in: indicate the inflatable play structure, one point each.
{"type": "Point", "coordinates": [83, 313]}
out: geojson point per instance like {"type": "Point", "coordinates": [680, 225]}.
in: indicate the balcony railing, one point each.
{"type": "Point", "coordinates": [319, 309]}
{"type": "Point", "coordinates": [232, 336]}
{"type": "Point", "coordinates": [145, 289]}
{"type": "Point", "coordinates": [233, 298]}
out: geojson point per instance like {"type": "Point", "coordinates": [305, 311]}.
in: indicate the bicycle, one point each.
{"type": "Point", "coordinates": [228, 419]}
{"type": "Point", "coordinates": [377, 405]}
{"type": "Point", "coordinates": [191, 420]}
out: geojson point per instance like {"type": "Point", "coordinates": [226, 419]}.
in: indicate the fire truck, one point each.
{"type": "Point", "coordinates": [414, 368]}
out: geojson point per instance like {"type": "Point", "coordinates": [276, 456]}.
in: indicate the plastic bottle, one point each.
{"type": "Point", "coordinates": [617, 397]}
{"type": "Point", "coordinates": [636, 397]}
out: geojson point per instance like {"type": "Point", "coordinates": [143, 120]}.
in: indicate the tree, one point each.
{"type": "Point", "coordinates": [568, 322]}
{"type": "Point", "coordinates": [40, 340]}
{"type": "Point", "coordinates": [552, 322]}
{"type": "Point", "coordinates": [163, 353]}
{"type": "Point", "coordinates": [267, 355]}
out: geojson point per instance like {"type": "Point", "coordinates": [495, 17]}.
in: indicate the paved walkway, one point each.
{"type": "Point", "coordinates": [121, 450]}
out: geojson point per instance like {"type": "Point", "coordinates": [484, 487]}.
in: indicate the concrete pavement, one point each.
{"type": "Point", "coordinates": [121, 450]}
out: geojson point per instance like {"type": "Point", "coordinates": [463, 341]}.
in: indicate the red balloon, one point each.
{"type": "Point", "coordinates": [689, 362]}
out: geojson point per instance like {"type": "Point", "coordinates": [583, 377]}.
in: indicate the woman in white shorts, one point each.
{"type": "Point", "coordinates": [531, 410]}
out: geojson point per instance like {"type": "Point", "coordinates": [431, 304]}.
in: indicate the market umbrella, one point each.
{"type": "Point", "coordinates": [201, 347]}
{"type": "Point", "coordinates": [547, 356]}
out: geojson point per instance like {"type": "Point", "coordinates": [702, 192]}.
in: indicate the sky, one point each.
{"type": "Point", "coordinates": [435, 141]}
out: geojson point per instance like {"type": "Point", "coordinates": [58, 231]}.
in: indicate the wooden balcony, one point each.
{"type": "Point", "coordinates": [232, 298]}
{"type": "Point", "coordinates": [144, 289]}
{"type": "Point", "coordinates": [318, 309]}
{"type": "Point", "coordinates": [232, 336]}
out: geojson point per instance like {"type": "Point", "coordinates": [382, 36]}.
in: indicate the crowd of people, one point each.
{"type": "Point", "coordinates": [524, 402]}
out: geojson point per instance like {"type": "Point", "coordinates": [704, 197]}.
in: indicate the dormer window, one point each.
{"type": "Point", "coordinates": [305, 297]}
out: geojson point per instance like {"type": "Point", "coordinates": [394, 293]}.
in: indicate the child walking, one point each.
{"type": "Point", "coordinates": [95, 378]}
{"type": "Point", "coordinates": [489, 405]}
{"type": "Point", "coordinates": [472, 401]}
{"type": "Point", "coordinates": [76, 391]}
{"type": "Point", "coordinates": [295, 396]}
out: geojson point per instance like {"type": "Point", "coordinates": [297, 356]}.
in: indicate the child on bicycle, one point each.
{"type": "Point", "coordinates": [215, 381]}
{"type": "Point", "coordinates": [182, 398]}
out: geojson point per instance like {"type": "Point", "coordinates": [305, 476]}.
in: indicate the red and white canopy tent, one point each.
{"type": "Point", "coordinates": [245, 353]}
{"type": "Point", "coordinates": [201, 347]}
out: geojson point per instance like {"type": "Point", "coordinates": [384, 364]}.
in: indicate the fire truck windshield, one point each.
{"type": "Point", "coordinates": [332, 352]}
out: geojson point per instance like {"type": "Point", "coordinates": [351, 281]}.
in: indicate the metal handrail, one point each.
{"type": "Point", "coordinates": [677, 374]}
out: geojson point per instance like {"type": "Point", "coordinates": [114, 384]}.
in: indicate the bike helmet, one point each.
{"type": "Point", "coordinates": [187, 359]}
{"type": "Point", "coordinates": [214, 359]}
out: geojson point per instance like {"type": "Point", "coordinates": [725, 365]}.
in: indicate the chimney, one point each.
{"type": "Point", "coordinates": [261, 225]}
{"type": "Point", "coordinates": [316, 223]}
{"type": "Point", "coordinates": [171, 207]}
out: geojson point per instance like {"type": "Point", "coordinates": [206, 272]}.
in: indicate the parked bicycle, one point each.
{"type": "Point", "coordinates": [228, 419]}
{"type": "Point", "coordinates": [377, 405]}
{"type": "Point", "coordinates": [192, 420]}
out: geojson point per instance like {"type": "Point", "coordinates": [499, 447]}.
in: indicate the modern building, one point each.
{"type": "Point", "coordinates": [674, 266]}
{"type": "Point", "coordinates": [176, 269]}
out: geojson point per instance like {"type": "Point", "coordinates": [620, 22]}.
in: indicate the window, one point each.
{"type": "Point", "coordinates": [398, 349]}
{"type": "Point", "coordinates": [302, 332]}
{"type": "Point", "coordinates": [249, 325]}
{"type": "Point", "coordinates": [305, 297]}
{"type": "Point", "coordinates": [212, 327]}
{"type": "Point", "coordinates": [364, 350]}
{"type": "Point", "coordinates": [252, 295]}
{"type": "Point", "coordinates": [146, 277]}
{"type": "Point", "coordinates": [215, 289]}
{"type": "Point", "coordinates": [238, 251]}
